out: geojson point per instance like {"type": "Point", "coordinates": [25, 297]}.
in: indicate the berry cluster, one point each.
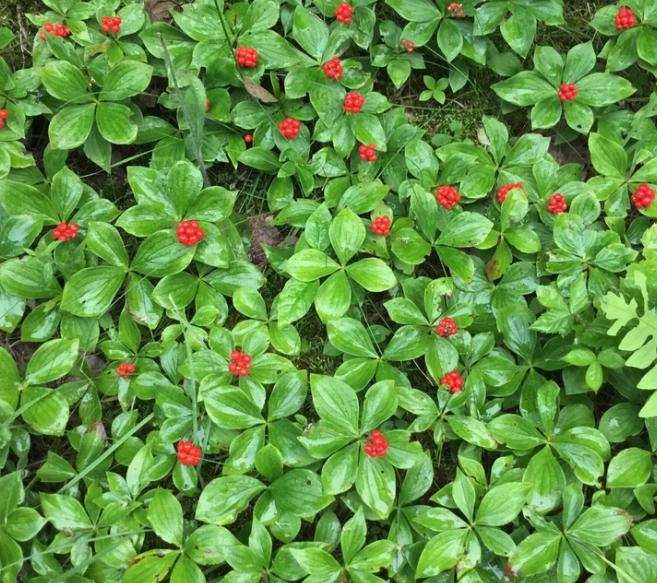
{"type": "Point", "coordinates": [567, 92]}
{"type": "Point", "coordinates": [353, 102]}
{"type": "Point", "coordinates": [289, 128]}
{"type": "Point", "coordinates": [447, 196]}
{"type": "Point", "coordinates": [240, 363]}
{"type": "Point", "coordinates": [110, 23]}
{"type": "Point", "coordinates": [63, 232]}
{"type": "Point", "coordinates": [188, 454]}
{"type": "Point", "coordinates": [333, 69]}
{"type": "Point", "coordinates": [4, 114]}
{"type": "Point", "coordinates": [643, 196]}
{"type": "Point", "coordinates": [625, 18]}
{"type": "Point", "coordinates": [502, 191]}
{"type": "Point", "coordinates": [446, 327]}
{"type": "Point", "coordinates": [343, 13]}
{"type": "Point", "coordinates": [557, 204]}
{"type": "Point", "coordinates": [189, 233]}
{"type": "Point", "coordinates": [125, 369]}
{"type": "Point", "coordinates": [407, 45]}
{"type": "Point", "coordinates": [367, 153]}
{"type": "Point", "coordinates": [381, 226]}
{"type": "Point", "coordinates": [246, 57]}
{"type": "Point", "coordinates": [248, 138]}
{"type": "Point", "coordinates": [57, 29]}
{"type": "Point", "coordinates": [455, 9]}
{"type": "Point", "coordinates": [377, 446]}
{"type": "Point", "coordinates": [453, 380]}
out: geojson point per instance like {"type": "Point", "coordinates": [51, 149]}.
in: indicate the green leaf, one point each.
{"type": "Point", "coordinates": [600, 525]}
{"type": "Point", "coordinates": [600, 89]}
{"type": "Point", "coordinates": [316, 562]}
{"type": "Point", "coordinates": [336, 403]}
{"type": "Point", "coordinates": [65, 512]}
{"type": "Point", "coordinates": [450, 39]}
{"type": "Point", "coordinates": [104, 240]}
{"type": "Point", "coordinates": [46, 410]}
{"type": "Point", "coordinates": [516, 432]}
{"type": "Point", "coordinates": [535, 554]}
{"type": "Point", "coordinates": [380, 404]}
{"type": "Point", "coordinates": [347, 234]}
{"type": "Point", "coordinates": [634, 564]}
{"type": "Point", "coordinates": [166, 517]}
{"type": "Point", "coordinates": [607, 156]}
{"type": "Point", "coordinates": [65, 82]}
{"type": "Point", "coordinates": [300, 493]}
{"type": "Point", "coordinates": [114, 122]}
{"type": "Point", "coordinates": [368, 130]}
{"type": "Point", "coordinates": [465, 229]}
{"type": "Point", "coordinates": [525, 88]}
{"type": "Point", "coordinates": [372, 274]}
{"type": "Point", "coordinates": [442, 552]}
{"type": "Point", "coordinates": [408, 343]}
{"type": "Point", "coordinates": [501, 504]}
{"type": "Point", "coordinates": [376, 485]}
{"type": "Point", "coordinates": [90, 292]}
{"type": "Point", "coordinates": [310, 32]}
{"type": "Point", "coordinates": [223, 498]}
{"type": "Point", "coordinates": [473, 431]}
{"type": "Point", "coordinates": [519, 29]}
{"type": "Point", "coordinates": [51, 361]}
{"type": "Point", "coordinates": [230, 407]}
{"type": "Point", "coordinates": [70, 126]}
{"type": "Point", "coordinates": [125, 79]}
{"type": "Point", "coordinates": [161, 254]}
{"type": "Point", "coordinates": [351, 337]}
{"type": "Point", "coordinates": [333, 298]}
{"type": "Point", "coordinates": [547, 481]}
{"type": "Point", "coordinates": [310, 264]}
{"type": "Point", "coordinates": [629, 468]}
{"type": "Point", "coordinates": [364, 197]}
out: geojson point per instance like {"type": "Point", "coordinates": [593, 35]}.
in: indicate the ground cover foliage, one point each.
{"type": "Point", "coordinates": [328, 292]}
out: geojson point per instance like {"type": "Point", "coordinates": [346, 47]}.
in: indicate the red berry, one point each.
{"type": "Point", "coordinates": [567, 92]}
{"type": "Point", "coordinates": [455, 9]}
{"type": "Point", "coordinates": [48, 27]}
{"type": "Point", "coordinates": [240, 363]}
{"type": "Point", "coordinates": [407, 45]}
{"type": "Point", "coordinates": [367, 153]}
{"type": "Point", "coordinates": [248, 138]}
{"type": "Point", "coordinates": [343, 13]}
{"type": "Point", "coordinates": [502, 191]}
{"type": "Point", "coordinates": [246, 57]}
{"type": "Point", "coordinates": [557, 204]}
{"type": "Point", "coordinates": [190, 233]}
{"type": "Point", "coordinates": [289, 128]}
{"type": "Point", "coordinates": [377, 446]}
{"type": "Point", "coordinates": [453, 380]}
{"type": "Point", "coordinates": [333, 69]}
{"type": "Point", "coordinates": [63, 232]}
{"type": "Point", "coordinates": [353, 102]}
{"type": "Point", "coordinates": [4, 113]}
{"type": "Point", "coordinates": [188, 454]}
{"type": "Point", "coordinates": [124, 370]}
{"type": "Point", "coordinates": [625, 18]}
{"type": "Point", "coordinates": [381, 226]}
{"type": "Point", "coordinates": [643, 196]}
{"type": "Point", "coordinates": [446, 327]}
{"type": "Point", "coordinates": [447, 196]}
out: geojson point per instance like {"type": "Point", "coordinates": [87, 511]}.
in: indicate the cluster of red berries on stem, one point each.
{"type": "Point", "coordinates": [381, 226]}
{"type": "Point", "coordinates": [557, 204]}
{"type": "Point", "coordinates": [367, 153]}
{"type": "Point", "coordinates": [190, 233]}
{"type": "Point", "coordinates": [4, 114]}
{"type": "Point", "coordinates": [643, 196]}
{"type": "Point", "coordinates": [57, 29]}
{"type": "Point", "coordinates": [446, 327]}
{"type": "Point", "coordinates": [125, 369]}
{"type": "Point", "coordinates": [64, 232]}
{"type": "Point", "coordinates": [343, 13]}
{"type": "Point", "coordinates": [289, 128]}
{"type": "Point", "coordinates": [246, 57]}
{"type": "Point", "coordinates": [333, 69]}
{"type": "Point", "coordinates": [447, 196]}
{"type": "Point", "coordinates": [188, 454]}
{"type": "Point", "coordinates": [240, 363]}
{"type": "Point", "coordinates": [503, 191]}
{"type": "Point", "coordinates": [377, 446]}
{"type": "Point", "coordinates": [625, 18]}
{"type": "Point", "coordinates": [353, 102]}
{"type": "Point", "coordinates": [455, 9]}
{"type": "Point", "coordinates": [453, 380]}
{"type": "Point", "coordinates": [110, 24]}
{"type": "Point", "coordinates": [567, 92]}
{"type": "Point", "coordinates": [407, 45]}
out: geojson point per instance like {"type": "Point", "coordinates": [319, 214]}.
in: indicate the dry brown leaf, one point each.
{"type": "Point", "coordinates": [159, 10]}
{"type": "Point", "coordinates": [258, 92]}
